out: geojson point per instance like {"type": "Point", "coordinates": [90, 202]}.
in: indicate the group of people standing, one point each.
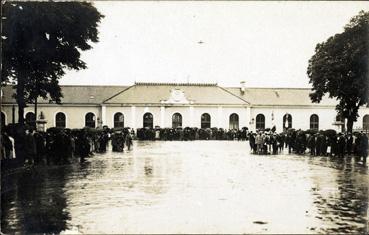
{"type": "Point", "coordinates": [57, 146]}
{"type": "Point", "coordinates": [61, 146]}
{"type": "Point", "coordinates": [119, 138]}
{"type": "Point", "coordinates": [191, 133]}
{"type": "Point", "coordinates": [321, 143]}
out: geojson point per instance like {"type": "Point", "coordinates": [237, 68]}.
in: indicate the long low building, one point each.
{"type": "Point", "coordinates": [184, 104]}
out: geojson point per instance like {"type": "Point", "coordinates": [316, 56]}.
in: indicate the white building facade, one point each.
{"type": "Point", "coordinates": [185, 105]}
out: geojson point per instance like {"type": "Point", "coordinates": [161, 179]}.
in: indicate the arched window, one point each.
{"type": "Point", "coordinates": [314, 122]}
{"type": "Point", "coordinates": [60, 120]}
{"type": "Point", "coordinates": [31, 119]}
{"type": "Point", "coordinates": [148, 120]}
{"type": "Point", "coordinates": [287, 121]}
{"type": "Point", "coordinates": [260, 121]}
{"type": "Point", "coordinates": [90, 120]}
{"type": "Point", "coordinates": [176, 120]}
{"type": "Point", "coordinates": [205, 120]}
{"type": "Point", "coordinates": [118, 120]}
{"type": "Point", "coordinates": [366, 122]}
{"type": "Point", "coordinates": [233, 121]}
{"type": "Point", "coordinates": [3, 120]}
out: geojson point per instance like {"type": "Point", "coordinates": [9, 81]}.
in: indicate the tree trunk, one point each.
{"type": "Point", "coordinates": [350, 124]}
{"type": "Point", "coordinates": [35, 112]}
{"type": "Point", "coordinates": [20, 98]}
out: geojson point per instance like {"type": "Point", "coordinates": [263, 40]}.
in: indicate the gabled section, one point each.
{"type": "Point", "coordinates": [176, 93]}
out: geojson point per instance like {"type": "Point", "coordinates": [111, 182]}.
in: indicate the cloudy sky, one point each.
{"type": "Point", "coordinates": [266, 44]}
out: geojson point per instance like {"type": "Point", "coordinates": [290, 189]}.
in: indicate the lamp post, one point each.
{"type": "Point", "coordinates": [41, 122]}
{"type": "Point", "coordinates": [272, 118]}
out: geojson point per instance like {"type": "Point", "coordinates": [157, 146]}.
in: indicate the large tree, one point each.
{"type": "Point", "coordinates": [339, 68]}
{"type": "Point", "coordinates": [40, 41]}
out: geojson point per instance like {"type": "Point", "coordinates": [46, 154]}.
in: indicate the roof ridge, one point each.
{"type": "Point", "coordinates": [273, 88]}
{"type": "Point", "coordinates": [174, 84]}
{"type": "Point", "coordinates": [234, 95]}
{"type": "Point", "coordinates": [117, 94]}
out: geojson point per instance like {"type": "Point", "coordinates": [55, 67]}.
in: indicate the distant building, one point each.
{"type": "Point", "coordinates": [185, 104]}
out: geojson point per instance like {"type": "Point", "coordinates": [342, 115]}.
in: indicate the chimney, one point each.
{"type": "Point", "coordinates": [243, 87]}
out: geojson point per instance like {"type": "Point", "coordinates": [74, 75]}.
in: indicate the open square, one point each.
{"type": "Point", "coordinates": [191, 187]}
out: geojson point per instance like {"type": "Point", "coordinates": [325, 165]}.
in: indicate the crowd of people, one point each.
{"type": "Point", "coordinates": [119, 138]}
{"type": "Point", "coordinates": [57, 146]}
{"type": "Point", "coordinates": [189, 133]}
{"type": "Point", "coordinates": [322, 143]}
{"type": "Point", "coordinates": [25, 146]}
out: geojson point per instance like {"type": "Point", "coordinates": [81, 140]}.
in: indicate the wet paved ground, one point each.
{"type": "Point", "coordinates": [190, 187]}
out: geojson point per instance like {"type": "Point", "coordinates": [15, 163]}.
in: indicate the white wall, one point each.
{"type": "Point", "coordinates": [75, 116]}
{"type": "Point", "coordinates": [219, 115]}
{"type": "Point", "coordinates": [301, 117]}
{"type": "Point", "coordinates": [126, 111]}
{"type": "Point", "coordinates": [140, 111]}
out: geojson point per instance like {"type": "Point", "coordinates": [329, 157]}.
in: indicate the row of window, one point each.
{"type": "Point", "coordinates": [148, 120]}
{"type": "Point", "coordinates": [287, 121]}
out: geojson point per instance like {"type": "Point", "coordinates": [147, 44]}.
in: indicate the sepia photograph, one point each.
{"type": "Point", "coordinates": [184, 117]}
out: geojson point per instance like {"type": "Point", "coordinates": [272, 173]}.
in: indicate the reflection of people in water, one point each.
{"type": "Point", "coordinates": [348, 206]}
{"type": "Point", "coordinates": [36, 201]}
{"type": "Point", "coordinates": [148, 167]}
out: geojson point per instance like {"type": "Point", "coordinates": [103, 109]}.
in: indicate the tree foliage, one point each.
{"type": "Point", "coordinates": [339, 68]}
{"type": "Point", "coordinates": [40, 41]}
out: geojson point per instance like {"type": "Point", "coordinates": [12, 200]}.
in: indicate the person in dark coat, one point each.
{"type": "Point", "coordinates": [50, 139]}
{"type": "Point", "coordinates": [59, 148]}
{"type": "Point", "coordinates": [129, 141]}
{"type": "Point", "coordinates": [318, 144]}
{"type": "Point", "coordinates": [40, 147]}
{"type": "Point", "coordinates": [68, 151]}
{"type": "Point", "coordinates": [349, 143]}
{"type": "Point", "coordinates": [324, 145]}
{"type": "Point", "coordinates": [341, 145]}
{"type": "Point", "coordinates": [120, 142]}
{"type": "Point", "coordinates": [280, 139]}
{"type": "Point", "coordinates": [274, 143]}
{"type": "Point", "coordinates": [252, 142]}
{"type": "Point", "coordinates": [84, 145]}
{"type": "Point", "coordinates": [103, 141]}
{"type": "Point", "coordinates": [114, 142]}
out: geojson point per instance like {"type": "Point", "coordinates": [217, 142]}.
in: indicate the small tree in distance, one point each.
{"type": "Point", "coordinates": [42, 39]}
{"type": "Point", "coordinates": [339, 68]}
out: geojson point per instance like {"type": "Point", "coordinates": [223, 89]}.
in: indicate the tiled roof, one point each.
{"type": "Point", "coordinates": [75, 94]}
{"type": "Point", "coordinates": [280, 96]}
{"type": "Point", "coordinates": [153, 93]}
{"type": "Point", "coordinates": [156, 93]}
